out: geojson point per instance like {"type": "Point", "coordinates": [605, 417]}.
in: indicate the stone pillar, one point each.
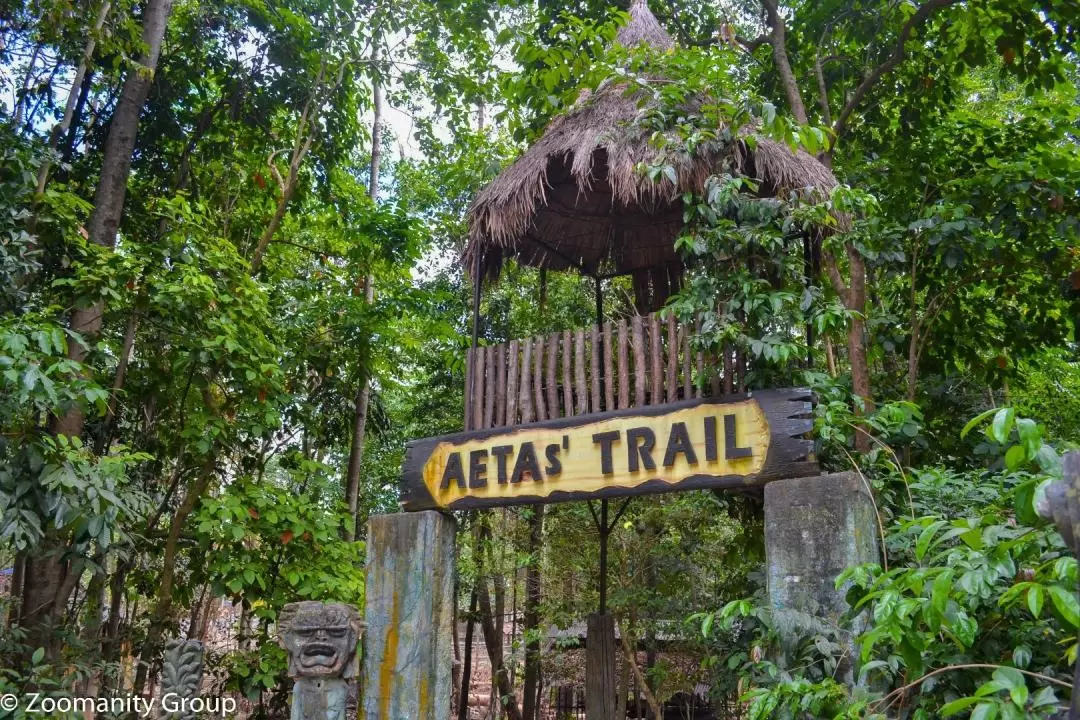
{"type": "Point", "coordinates": [815, 527]}
{"type": "Point", "coordinates": [409, 615]}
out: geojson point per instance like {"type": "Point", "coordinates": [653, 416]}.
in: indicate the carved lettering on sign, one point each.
{"type": "Point", "coordinates": [678, 446]}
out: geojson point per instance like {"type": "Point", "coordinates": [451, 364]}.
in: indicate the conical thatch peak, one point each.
{"type": "Point", "coordinates": [644, 28]}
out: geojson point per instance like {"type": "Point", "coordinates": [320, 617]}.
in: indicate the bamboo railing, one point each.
{"type": "Point", "coordinates": [635, 362]}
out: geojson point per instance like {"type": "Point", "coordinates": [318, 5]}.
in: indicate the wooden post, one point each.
{"type": "Point", "coordinates": [538, 380]}
{"type": "Point", "coordinates": [512, 365]}
{"type": "Point", "coordinates": [500, 385]}
{"type": "Point", "coordinates": [609, 375]}
{"type": "Point", "coordinates": [552, 381]}
{"type": "Point", "coordinates": [624, 366]}
{"type": "Point", "coordinates": [656, 372]}
{"type": "Point", "coordinates": [600, 668]}
{"type": "Point", "coordinates": [641, 373]}
{"type": "Point", "coordinates": [580, 389]}
{"type": "Point", "coordinates": [523, 379]}
{"type": "Point", "coordinates": [567, 382]}
{"type": "Point", "coordinates": [409, 615]}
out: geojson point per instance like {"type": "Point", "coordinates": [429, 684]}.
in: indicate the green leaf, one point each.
{"type": "Point", "coordinates": [985, 711]}
{"type": "Point", "coordinates": [37, 656]}
{"type": "Point", "coordinates": [1015, 457]}
{"type": "Point", "coordinates": [1002, 425]}
{"type": "Point", "coordinates": [1035, 599]}
{"type": "Point", "coordinates": [957, 705]}
{"type": "Point", "coordinates": [923, 543]}
{"type": "Point", "coordinates": [939, 594]}
{"type": "Point", "coordinates": [1009, 678]}
{"type": "Point", "coordinates": [1066, 604]}
{"type": "Point", "coordinates": [977, 420]}
{"type": "Point", "coordinates": [1045, 696]}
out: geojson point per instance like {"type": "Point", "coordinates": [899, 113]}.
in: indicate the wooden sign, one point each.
{"type": "Point", "coordinates": [735, 442]}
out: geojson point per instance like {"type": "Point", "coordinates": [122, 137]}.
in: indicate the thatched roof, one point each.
{"type": "Point", "coordinates": [575, 200]}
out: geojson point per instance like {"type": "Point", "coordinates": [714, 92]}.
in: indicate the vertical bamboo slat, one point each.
{"type": "Point", "coordinates": [656, 372]}
{"type": "Point", "coordinates": [640, 372]}
{"type": "Point", "coordinates": [672, 361]}
{"type": "Point", "coordinates": [715, 383]}
{"type": "Point", "coordinates": [744, 368]}
{"type": "Point", "coordinates": [500, 385]}
{"type": "Point", "coordinates": [526, 389]}
{"type": "Point", "coordinates": [489, 386]}
{"type": "Point", "coordinates": [624, 365]}
{"type": "Point", "coordinates": [478, 388]}
{"type": "Point", "coordinates": [594, 367]}
{"type": "Point", "coordinates": [700, 359]}
{"type": "Point", "coordinates": [468, 388]}
{"type": "Point", "coordinates": [552, 383]}
{"type": "Point", "coordinates": [729, 380]}
{"type": "Point", "coordinates": [687, 372]}
{"type": "Point", "coordinates": [581, 390]}
{"type": "Point", "coordinates": [567, 383]}
{"type": "Point", "coordinates": [538, 379]}
{"type": "Point", "coordinates": [609, 375]}
{"type": "Point", "coordinates": [512, 384]}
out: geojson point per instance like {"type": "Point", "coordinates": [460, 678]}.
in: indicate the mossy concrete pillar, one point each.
{"type": "Point", "coordinates": [815, 527]}
{"type": "Point", "coordinates": [409, 615]}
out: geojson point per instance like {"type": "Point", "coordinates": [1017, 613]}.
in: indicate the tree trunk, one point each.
{"type": "Point", "coordinates": [46, 589]}
{"type": "Point", "coordinates": [778, 42]}
{"type": "Point", "coordinates": [860, 370]}
{"type": "Point", "coordinates": [363, 395]}
{"type": "Point", "coordinates": [854, 292]}
{"type": "Point", "coordinates": [73, 96]}
{"type": "Point", "coordinates": [43, 578]}
{"type": "Point", "coordinates": [650, 698]}
{"type": "Point", "coordinates": [112, 185]}
{"type": "Point", "coordinates": [151, 645]}
{"type": "Point", "coordinates": [532, 615]}
{"type": "Point", "coordinates": [466, 664]}
{"type": "Point", "coordinates": [624, 689]}
{"type": "Point", "coordinates": [494, 643]}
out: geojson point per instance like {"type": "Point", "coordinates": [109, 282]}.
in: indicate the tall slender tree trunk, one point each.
{"type": "Point", "coordinates": [73, 95]}
{"type": "Point", "coordinates": [45, 589]}
{"type": "Point", "coordinates": [363, 394]}
{"type": "Point", "coordinates": [151, 645]}
{"type": "Point", "coordinates": [853, 293]}
{"type": "Point", "coordinates": [532, 615]}
{"type": "Point", "coordinates": [466, 664]}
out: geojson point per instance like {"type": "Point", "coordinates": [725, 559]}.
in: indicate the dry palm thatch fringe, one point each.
{"type": "Point", "coordinates": [576, 199]}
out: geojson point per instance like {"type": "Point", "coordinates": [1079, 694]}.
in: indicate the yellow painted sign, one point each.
{"type": "Point", "coordinates": [625, 450]}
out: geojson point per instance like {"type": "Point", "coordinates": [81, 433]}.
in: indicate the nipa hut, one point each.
{"type": "Point", "coordinates": [575, 200]}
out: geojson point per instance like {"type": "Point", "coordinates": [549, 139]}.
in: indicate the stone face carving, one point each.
{"type": "Point", "coordinates": [321, 640]}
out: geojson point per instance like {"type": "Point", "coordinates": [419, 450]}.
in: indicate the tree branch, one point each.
{"type": "Point", "coordinates": [823, 91]}
{"type": "Point", "coordinates": [898, 54]}
{"type": "Point", "coordinates": [783, 65]}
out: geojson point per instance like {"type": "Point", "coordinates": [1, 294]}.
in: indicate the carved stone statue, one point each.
{"type": "Point", "coordinates": [181, 675]}
{"type": "Point", "coordinates": [321, 639]}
